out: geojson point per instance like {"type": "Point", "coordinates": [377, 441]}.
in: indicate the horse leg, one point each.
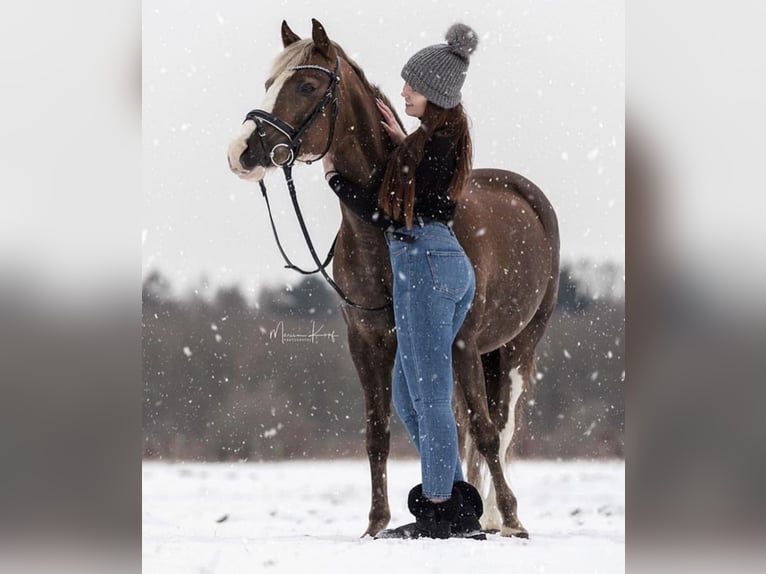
{"type": "Point", "coordinates": [373, 357]}
{"type": "Point", "coordinates": [505, 385]}
{"type": "Point", "coordinates": [468, 453]}
{"type": "Point", "coordinates": [516, 368]}
{"type": "Point", "coordinates": [473, 459]}
{"type": "Point", "coordinates": [484, 433]}
{"type": "Point", "coordinates": [377, 401]}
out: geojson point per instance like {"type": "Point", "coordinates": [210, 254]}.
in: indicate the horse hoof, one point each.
{"type": "Point", "coordinates": [375, 527]}
{"type": "Point", "coordinates": [514, 532]}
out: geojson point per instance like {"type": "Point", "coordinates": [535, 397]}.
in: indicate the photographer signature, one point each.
{"type": "Point", "coordinates": [312, 337]}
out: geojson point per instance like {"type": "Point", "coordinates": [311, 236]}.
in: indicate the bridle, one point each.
{"type": "Point", "coordinates": [295, 138]}
{"type": "Point", "coordinates": [295, 135]}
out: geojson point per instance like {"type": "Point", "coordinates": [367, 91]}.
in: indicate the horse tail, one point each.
{"type": "Point", "coordinates": [547, 215]}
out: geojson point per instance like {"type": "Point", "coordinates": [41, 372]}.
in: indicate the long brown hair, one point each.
{"type": "Point", "coordinates": [397, 194]}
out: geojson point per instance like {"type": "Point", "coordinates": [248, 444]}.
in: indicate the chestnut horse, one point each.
{"type": "Point", "coordinates": [504, 222]}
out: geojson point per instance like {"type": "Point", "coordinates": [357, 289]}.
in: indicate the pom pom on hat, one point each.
{"type": "Point", "coordinates": [462, 39]}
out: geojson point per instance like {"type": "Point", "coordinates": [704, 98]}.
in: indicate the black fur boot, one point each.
{"type": "Point", "coordinates": [432, 519]}
{"type": "Point", "coordinates": [466, 523]}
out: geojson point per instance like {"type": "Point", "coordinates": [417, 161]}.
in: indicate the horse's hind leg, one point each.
{"type": "Point", "coordinates": [474, 462]}
{"type": "Point", "coordinates": [505, 381]}
{"type": "Point", "coordinates": [515, 375]}
{"type": "Point", "coordinates": [484, 434]}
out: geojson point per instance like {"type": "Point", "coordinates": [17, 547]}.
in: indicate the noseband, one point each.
{"type": "Point", "coordinates": [295, 135]}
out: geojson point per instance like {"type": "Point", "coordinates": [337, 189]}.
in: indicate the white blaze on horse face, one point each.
{"type": "Point", "coordinates": [239, 144]}
{"type": "Point", "coordinates": [237, 147]}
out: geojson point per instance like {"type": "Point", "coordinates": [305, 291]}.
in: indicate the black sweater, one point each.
{"type": "Point", "coordinates": [432, 180]}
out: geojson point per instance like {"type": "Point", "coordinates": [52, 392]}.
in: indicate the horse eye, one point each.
{"type": "Point", "coordinates": [307, 88]}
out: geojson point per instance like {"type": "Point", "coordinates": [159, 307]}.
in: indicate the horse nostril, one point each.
{"type": "Point", "coordinates": [245, 159]}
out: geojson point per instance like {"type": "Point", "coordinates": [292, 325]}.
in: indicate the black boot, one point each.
{"type": "Point", "coordinates": [466, 523]}
{"type": "Point", "coordinates": [432, 519]}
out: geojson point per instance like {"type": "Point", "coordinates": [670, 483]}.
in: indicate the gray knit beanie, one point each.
{"type": "Point", "coordinates": [438, 71]}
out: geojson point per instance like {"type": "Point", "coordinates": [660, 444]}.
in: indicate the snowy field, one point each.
{"type": "Point", "coordinates": [308, 516]}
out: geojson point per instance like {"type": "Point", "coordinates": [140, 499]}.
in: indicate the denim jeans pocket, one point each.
{"type": "Point", "coordinates": [449, 271]}
{"type": "Point", "coordinates": [396, 249]}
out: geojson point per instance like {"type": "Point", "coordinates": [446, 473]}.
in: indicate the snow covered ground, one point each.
{"type": "Point", "coordinates": [308, 516]}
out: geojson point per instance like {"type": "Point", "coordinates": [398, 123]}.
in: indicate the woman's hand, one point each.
{"type": "Point", "coordinates": [389, 122]}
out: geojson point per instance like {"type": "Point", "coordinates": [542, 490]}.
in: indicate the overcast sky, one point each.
{"type": "Point", "coordinates": [545, 91]}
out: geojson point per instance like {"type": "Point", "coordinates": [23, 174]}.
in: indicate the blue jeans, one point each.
{"type": "Point", "coordinates": [433, 288]}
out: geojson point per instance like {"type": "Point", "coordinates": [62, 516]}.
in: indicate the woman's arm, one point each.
{"type": "Point", "coordinates": [363, 202]}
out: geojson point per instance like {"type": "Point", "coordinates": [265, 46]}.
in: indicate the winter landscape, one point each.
{"type": "Point", "coordinates": [546, 100]}
{"type": "Point", "coordinates": [308, 517]}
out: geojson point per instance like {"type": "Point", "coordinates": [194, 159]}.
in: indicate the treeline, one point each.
{"type": "Point", "coordinates": [228, 379]}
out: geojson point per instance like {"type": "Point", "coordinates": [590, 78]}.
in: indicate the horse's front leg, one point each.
{"type": "Point", "coordinates": [373, 351]}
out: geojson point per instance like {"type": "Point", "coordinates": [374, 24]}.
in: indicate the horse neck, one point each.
{"type": "Point", "coordinates": [362, 146]}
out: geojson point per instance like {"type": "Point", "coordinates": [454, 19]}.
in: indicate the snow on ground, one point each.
{"type": "Point", "coordinates": [308, 517]}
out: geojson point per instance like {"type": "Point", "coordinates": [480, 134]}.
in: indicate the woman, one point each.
{"type": "Point", "coordinates": [433, 279]}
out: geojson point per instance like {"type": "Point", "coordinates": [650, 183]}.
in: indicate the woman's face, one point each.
{"type": "Point", "coordinates": [414, 102]}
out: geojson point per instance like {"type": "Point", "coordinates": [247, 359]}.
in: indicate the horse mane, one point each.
{"type": "Point", "coordinates": [357, 70]}
{"type": "Point", "coordinates": [293, 55]}
{"type": "Point", "coordinates": [373, 89]}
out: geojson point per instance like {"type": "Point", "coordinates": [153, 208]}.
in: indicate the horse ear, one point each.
{"type": "Point", "coordinates": [321, 40]}
{"type": "Point", "coordinates": [288, 36]}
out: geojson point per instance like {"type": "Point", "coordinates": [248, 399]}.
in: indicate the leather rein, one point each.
{"type": "Point", "coordinates": [295, 137]}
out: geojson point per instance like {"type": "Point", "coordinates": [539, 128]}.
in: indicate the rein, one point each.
{"type": "Point", "coordinates": [295, 137]}
{"type": "Point", "coordinates": [290, 264]}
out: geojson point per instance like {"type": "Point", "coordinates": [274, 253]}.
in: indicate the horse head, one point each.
{"type": "Point", "coordinates": [297, 117]}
